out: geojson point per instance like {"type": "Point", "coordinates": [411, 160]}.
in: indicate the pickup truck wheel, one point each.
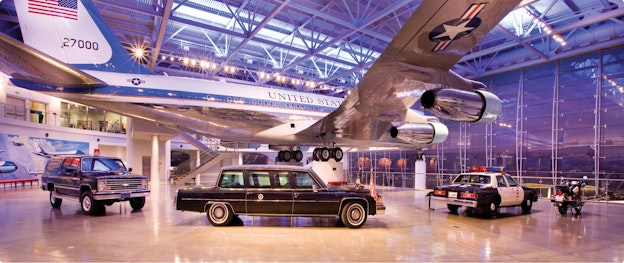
{"type": "Point", "coordinates": [353, 215]}
{"type": "Point", "coordinates": [55, 202]}
{"type": "Point", "coordinates": [527, 204]}
{"type": "Point", "coordinates": [219, 214]}
{"type": "Point", "coordinates": [137, 203]}
{"type": "Point", "coordinates": [452, 208]}
{"type": "Point", "coordinates": [89, 205]}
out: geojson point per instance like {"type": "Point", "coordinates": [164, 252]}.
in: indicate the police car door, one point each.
{"type": "Point", "coordinates": [506, 193]}
{"type": "Point", "coordinates": [516, 189]}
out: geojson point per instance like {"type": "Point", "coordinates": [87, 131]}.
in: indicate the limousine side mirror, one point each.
{"type": "Point", "coordinates": [130, 170]}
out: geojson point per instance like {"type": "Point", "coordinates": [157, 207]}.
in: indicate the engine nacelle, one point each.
{"type": "Point", "coordinates": [420, 133]}
{"type": "Point", "coordinates": [458, 105]}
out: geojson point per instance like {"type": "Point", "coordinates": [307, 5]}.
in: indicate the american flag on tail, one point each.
{"type": "Point", "coordinates": [58, 8]}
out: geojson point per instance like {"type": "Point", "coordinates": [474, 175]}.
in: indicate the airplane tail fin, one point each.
{"type": "Point", "coordinates": [74, 32]}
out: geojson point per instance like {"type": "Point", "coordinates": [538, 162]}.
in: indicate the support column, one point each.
{"type": "Point", "coordinates": [520, 128]}
{"type": "Point", "coordinates": [420, 174]}
{"type": "Point", "coordinates": [167, 158]}
{"type": "Point", "coordinates": [130, 153]}
{"type": "Point", "coordinates": [598, 126]}
{"type": "Point", "coordinates": [154, 162]}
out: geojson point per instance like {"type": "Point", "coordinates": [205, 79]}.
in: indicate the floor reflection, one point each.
{"type": "Point", "coordinates": [409, 231]}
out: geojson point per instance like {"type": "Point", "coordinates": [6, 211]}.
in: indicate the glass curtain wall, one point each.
{"type": "Point", "coordinates": [559, 119]}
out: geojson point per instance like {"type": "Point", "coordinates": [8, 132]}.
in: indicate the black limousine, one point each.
{"type": "Point", "coordinates": [268, 190]}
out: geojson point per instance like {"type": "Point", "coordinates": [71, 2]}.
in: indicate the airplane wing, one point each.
{"type": "Point", "coordinates": [418, 59]}
{"type": "Point", "coordinates": [22, 62]}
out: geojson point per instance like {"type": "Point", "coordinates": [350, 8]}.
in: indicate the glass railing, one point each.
{"type": "Point", "coordinates": [96, 121]}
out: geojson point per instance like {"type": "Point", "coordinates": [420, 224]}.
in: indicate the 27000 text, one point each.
{"type": "Point", "coordinates": [79, 43]}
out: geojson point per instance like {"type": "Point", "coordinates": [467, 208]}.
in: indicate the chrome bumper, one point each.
{"type": "Point", "coordinates": [119, 196]}
{"type": "Point", "coordinates": [380, 210]}
{"type": "Point", "coordinates": [455, 201]}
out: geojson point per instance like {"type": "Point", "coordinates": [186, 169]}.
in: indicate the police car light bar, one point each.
{"type": "Point", "coordinates": [491, 169]}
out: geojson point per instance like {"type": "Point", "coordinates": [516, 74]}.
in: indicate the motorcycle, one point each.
{"type": "Point", "coordinates": [569, 194]}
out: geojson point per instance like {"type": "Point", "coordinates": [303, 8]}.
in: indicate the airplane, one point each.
{"type": "Point", "coordinates": [49, 154]}
{"type": "Point", "coordinates": [70, 53]}
{"type": "Point", "coordinates": [7, 167]}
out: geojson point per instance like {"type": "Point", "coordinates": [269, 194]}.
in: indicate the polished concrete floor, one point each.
{"type": "Point", "coordinates": [31, 230]}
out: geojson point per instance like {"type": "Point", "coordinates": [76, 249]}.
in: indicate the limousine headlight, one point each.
{"type": "Point", "coordinates": [101, 185]}
{"type": "Point", "coordinates": [143, 184]}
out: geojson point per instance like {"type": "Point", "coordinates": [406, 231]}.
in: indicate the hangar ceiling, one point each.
{"type": "Point", "coordinates": [326, 46]}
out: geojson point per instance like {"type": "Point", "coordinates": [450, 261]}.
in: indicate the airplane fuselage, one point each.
{"type": "Point", "coordinates": [169, 90]}
{"type": "Point", "coordinates": [234, 111]}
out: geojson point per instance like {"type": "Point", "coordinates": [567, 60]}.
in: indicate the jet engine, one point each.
{"type": "Point", "coordinates": [420, 133]}
{"type": "Point", "coordinates": [459, 105]}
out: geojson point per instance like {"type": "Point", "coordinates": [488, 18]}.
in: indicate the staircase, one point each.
{"type": "Point", "coordinates": [189, 169]}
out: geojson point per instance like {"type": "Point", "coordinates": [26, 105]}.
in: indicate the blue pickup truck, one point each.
{"type": "Point", "coordinates": [94, 181]}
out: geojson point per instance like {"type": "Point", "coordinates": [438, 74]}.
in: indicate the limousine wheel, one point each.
{"type": "Point", "coordinates": [353, 215]}
{"type": "Point", "coordinates": [219, 214]}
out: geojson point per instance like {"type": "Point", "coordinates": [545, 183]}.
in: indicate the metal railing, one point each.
{"type": "Point", "coordinates": [608, 187]}
{"type": "Point", "coordinates": [193, 163]}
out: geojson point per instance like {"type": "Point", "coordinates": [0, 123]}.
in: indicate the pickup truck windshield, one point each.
{"type": "Point", "coordinates": [472, 179]}
{"type": "Point", "coordinates": [102, 165]}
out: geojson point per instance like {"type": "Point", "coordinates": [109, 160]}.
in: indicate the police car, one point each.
{"type": "Point", "coordinates": [486, 189]}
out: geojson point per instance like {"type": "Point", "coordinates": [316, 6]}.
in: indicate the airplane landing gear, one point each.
{"type": "Point", "coordinates": [286, 156]}
{"type": "Point", "coordinates": [324, 154]}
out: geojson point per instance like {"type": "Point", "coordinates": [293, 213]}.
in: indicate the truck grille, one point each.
{"type": "Point", "coordinates": [123, 184]}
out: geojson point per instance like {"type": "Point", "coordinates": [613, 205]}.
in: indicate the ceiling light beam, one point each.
{"type": "Point", "coordinates": [161, 33]}
{"type": "Point", "coordinates": [579, 24]}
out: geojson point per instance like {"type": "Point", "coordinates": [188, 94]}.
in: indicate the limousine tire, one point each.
{"type": "Point", "coordinates": [219, 214]}
{"type": "Point", "coordinates": [353, 215]}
